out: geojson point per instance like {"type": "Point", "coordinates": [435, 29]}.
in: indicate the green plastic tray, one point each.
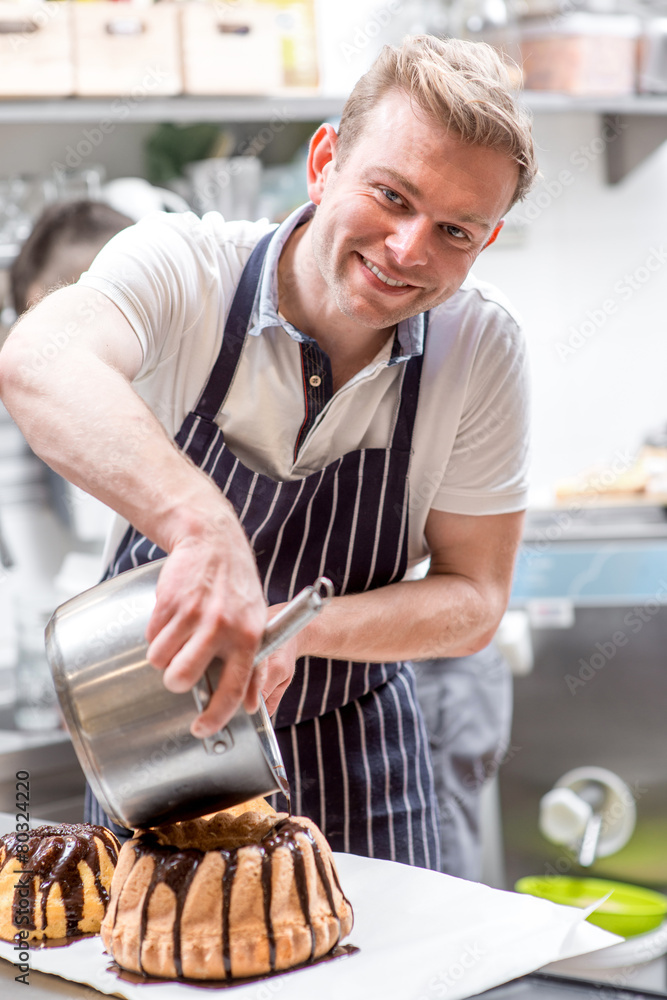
{"type": "Point", "coordinates": [629, 910]}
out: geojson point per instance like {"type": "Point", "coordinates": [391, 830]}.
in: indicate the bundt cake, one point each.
{"type": "Point", "coordinates": [224, 897]}
{"type": "Point", "coordinates": [55, 880]}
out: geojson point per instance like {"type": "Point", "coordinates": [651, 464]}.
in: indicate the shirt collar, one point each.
{"type": "Point", "coordinates": [409, 337]}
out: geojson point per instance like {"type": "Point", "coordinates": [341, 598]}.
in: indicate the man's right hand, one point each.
{"type": "Point", "coordinates": [210, 604]}
{"type": "Point", "coordinates": [79, 411]}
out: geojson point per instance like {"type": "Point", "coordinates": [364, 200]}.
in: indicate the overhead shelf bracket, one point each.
{"type": "Point", "coordinates": [636, 136]}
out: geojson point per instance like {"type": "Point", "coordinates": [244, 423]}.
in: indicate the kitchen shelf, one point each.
{"type": "Point", "coordinates": [631, 104]}
{"type": "Point", "coordinates": [638, 123]}
{"type": "Point", "coordinates": [633, 126]}
{"type": "Point", "coordinates": [297, 108]}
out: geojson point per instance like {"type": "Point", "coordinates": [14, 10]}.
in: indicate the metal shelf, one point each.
{"type": "Point", "coordinates": [290, 107]}
{"type": "Point", "coordinates": [296, 107]}
{"type": "Point", "coordinates": [543, 102]}
{"type": "Point", "coordinates": [632, 126]}
{"type": "Point", "coordinates": [637, 122]}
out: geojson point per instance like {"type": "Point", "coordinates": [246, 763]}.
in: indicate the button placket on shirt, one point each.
{"type": "Point", "coordinates": [317, 386]}
{"type": "Point", "coordinates": [308, 462]}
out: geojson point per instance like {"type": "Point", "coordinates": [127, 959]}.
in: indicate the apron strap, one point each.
{"type": "Point", "coordinates": [233, 338]}
{"type": "Point", "coordinates": [407, 410]}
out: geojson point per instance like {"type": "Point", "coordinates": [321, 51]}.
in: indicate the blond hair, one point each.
{"type": "Point", "coordinates": [462, 86]}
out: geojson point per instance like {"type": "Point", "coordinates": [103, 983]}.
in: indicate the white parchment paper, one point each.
{"type": "Point", "coordinates": [421, 935]}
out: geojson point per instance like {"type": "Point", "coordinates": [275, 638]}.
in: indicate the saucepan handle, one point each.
{"type": "Point", "coordinates": [291, 619]}
{"type": "Point", "coordinates": [294, 616]}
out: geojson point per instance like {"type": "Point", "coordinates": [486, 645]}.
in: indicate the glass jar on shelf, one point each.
{"type": "Point", "coordinates": [491, 21]}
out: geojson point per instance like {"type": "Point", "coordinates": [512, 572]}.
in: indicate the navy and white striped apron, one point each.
{"type": "Point", "coordinates": [351, 734]}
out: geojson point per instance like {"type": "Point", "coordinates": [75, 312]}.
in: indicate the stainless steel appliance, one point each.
{"type": "Point", "coordinates": [594, 582]}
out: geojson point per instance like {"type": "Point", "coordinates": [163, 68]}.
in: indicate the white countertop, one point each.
{"type": "Point", "coordinates": [447, 929]}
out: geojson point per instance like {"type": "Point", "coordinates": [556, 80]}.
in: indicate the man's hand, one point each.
{"type": "Point", "coordinates": [277, 670]}
{"type": "Point", "coordinates": [210, 604]}
{"type": "Point", "coordinates": [81, 414]}
{"type": "Point", "coordinates": [274, 674]}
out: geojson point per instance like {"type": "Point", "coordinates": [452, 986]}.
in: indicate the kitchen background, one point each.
{"type": "Point", "coordinates": [573, 246]}
{"type": "Point", "coordinates": [584, 259]}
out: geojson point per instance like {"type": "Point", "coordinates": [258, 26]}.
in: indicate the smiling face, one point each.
{"type": "Point", "coordinates": [401, 220]}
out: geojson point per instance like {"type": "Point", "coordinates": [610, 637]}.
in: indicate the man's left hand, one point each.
{"type": "Point", "coordinates": [275, 674]}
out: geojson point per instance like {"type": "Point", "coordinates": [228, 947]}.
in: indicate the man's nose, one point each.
{"type": "Point", "coordinates": [409, 240]}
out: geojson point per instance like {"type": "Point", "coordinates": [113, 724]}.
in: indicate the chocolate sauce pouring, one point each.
{"type": "Point", "coordinates": [142, 762]}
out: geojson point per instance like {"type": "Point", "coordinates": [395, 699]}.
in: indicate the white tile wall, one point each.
{"type": "Point", "coordinates": [579, 246]}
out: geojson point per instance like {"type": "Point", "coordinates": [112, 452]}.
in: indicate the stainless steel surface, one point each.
{"type": "Point", "coordinates": [598, 691]}
{"type": "Point", "coordinates": [589, 841]}
{"type": "Point", "coordinates": [131, 735]}
{"type": "Point", "coordinates": [57, 783]}
{"type": "Point", "coordinates": [583, 520]}
{"type": "Point", "coordinates": [294, 616]}
{"type": "Point", "coordinates": [282, 627]}
{"type": "Point", "coordinates": [593, 793]}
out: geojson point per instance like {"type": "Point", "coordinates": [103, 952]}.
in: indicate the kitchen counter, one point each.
{"type": "Point", "coordinates": [57, 784]}
{"type": "Point", "coordinates": [425, 897]}
{"type": "Point", "coordinates": [595, 520]}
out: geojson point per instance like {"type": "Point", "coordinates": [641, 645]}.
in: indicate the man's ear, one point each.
{"type": "Point", "coordinates": [494, 234]}
{"type": "Point", "coordinates": [320, 160]}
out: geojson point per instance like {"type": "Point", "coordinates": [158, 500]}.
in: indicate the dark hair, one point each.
{"type": "Point", "coordinates": [67, 224]}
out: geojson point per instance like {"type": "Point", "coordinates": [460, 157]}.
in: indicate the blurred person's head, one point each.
{"type": "Point", "coordinates": [62, 245]}
{"type": "Point", "coordinates": [462, 87]}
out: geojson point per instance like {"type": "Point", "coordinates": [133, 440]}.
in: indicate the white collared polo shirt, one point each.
{"type": "Point", "coordinates": [173, 276]}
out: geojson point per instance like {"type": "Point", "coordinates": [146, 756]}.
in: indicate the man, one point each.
{"type": "Point", "coordinates": [63, 243]}
{"type": "Point", "coordinates": [342, 408]}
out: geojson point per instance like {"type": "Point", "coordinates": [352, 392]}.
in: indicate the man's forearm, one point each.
{"type": "Point", "coordinates": [441, 615]}
{"type": "Point", "coordinates": [80, 413]}
{"type": "Point", "coordinates": [83, 419]}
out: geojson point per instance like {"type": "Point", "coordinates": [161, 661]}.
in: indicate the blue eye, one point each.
{"type": "Point", "coordinates": [457, 233]}
{"type": "Point", "coordinates": [391, 196]}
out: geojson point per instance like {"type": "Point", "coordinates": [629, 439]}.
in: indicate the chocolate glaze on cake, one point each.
{"type": "Point", "coordinates": [177, 867]}
{"type": "Point", "coordinates": [52, 855]}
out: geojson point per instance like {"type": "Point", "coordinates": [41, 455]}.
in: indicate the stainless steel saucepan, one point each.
{"type": "Point", "coordinates": [131, 735]}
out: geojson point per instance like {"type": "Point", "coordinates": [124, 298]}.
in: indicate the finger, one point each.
{"type": "Point", "coordinates": [186, 656]}
{"type": "Point", "coordinates": [279, 673]}
{"type": "Point", "coordinates": [167, 643]}
{"type": "Point", "coordinates": [273, 700]}
{"type": "Point", "coordinates": [184, 664]}
{"type": "Point", "coordinates": [184, 615]}
{"type": "Point", "coordinates": [168, 604]}
{"type": "Point", "coordinates": [227, 697]}
{"type": "Point", "coordinates": [254, 691]}
{"type": "Point", "coordinates": [159, 619]}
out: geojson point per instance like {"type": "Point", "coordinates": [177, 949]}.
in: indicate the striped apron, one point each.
{"type": "Point", "coordinates": [351, 734]}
